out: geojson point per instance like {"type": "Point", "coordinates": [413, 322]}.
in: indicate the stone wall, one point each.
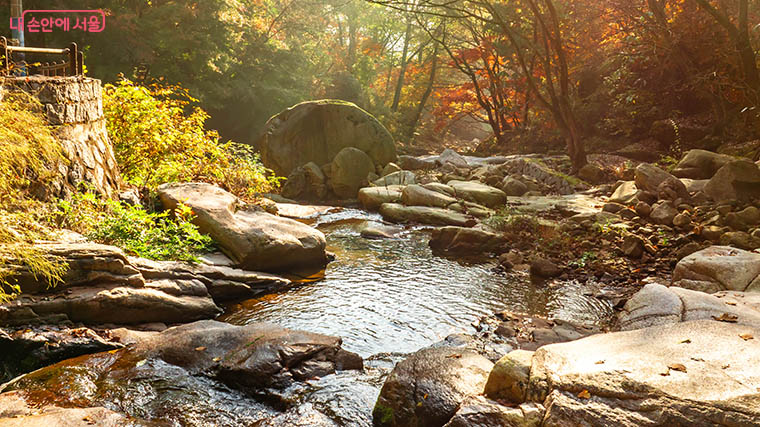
{"type": "Point", "coordinates": [74, 107]}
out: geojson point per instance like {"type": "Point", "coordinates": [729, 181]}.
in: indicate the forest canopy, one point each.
{"type": "Point", "coordinates": [569, 76]}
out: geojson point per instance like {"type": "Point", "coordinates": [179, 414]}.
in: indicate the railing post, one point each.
{"type": "Point", "coordinates": [80, 62]}
{"type": "Point", "coordinates": [4, 51]}
{"type": "Point", "coordinates": [73, 59]}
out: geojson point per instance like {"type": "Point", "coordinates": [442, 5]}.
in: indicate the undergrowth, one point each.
{"type": "Point", "coordinates": [158, 236]}
{"type": "Point", "coordinates": [158, 138]}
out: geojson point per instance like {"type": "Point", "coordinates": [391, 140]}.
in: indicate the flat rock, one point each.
{"type": "Point", "coordinates": [479, 193]}
{"type": "Point", "coordinates": [371, 198]}
{"type": "Point", "coordinates": [417, 195]}
{"type": "Point", "coordinates": [424, 215]}
{"type": "Point", "coordinates": [656, 305]}
{"type": "Point", "coordinates": [255, 240]}
{"type": "Point", "coordinates": [719, 268]}
{"type": "Point", "coordinates": [396, 178]}
{"type": "Point", "coordinates": [652, 377]}
{"type": "Point", "coordinates": [482, 412]}
{"type": "Point", "coordinates": [15, 410]}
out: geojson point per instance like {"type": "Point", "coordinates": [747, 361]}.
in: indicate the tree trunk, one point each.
{"type": "Point", "coordinates": [428, 91]}
{"type": "Point", "coordinates": [402, 69]}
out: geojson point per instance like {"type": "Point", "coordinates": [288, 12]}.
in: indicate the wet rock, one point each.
{"type": "Point", "coordinates": [510, 377]}
{"type": "Point", "coordinates": [482, 412]}
{"type": "Point", "coordinates": [544, 268]}
{"type": "Point", "coordinates": [467, 241]}
{"type": "Point", "coordinates": [417, 195]}
{"type": "Point", "coordinates": [316, 131]}
{"type": "Point", "coordinates": [375, 231]}
{"type": "Point", "coordinates": [28, 349]}
{"type": "Point", "coordinates": [652, 377]}
{"type": "Point", "coordinates": [513, 187]}
{"type": "Point", "coordinates": [424, 215]}
{"type": "Point", "coordinates": [740, 239]}
{"type": "Point", "coordinates": [656, 305]}
{"type": "Point", "coordinates": [396, 178]}
{"type": "Point", "coordinates": [739, 180]}
{"type": "Point", "coordinates": [701, 164]}
{"type": "Point", "coordinates": [719, 268]}
{"type": "Point", "coordinates": [255, 240]}
{"type": "Point", "coordinates": [349, 172]}
{"type": "Point", "coordinates": [476, 192]}
{"type": "Point", "coordinates": [15, 410]}
{"type": "Point", "coordinates": [633, 246]}
{"type": "Point", "coordinates": [663, 213]}
{"type": "Point", "coordinates": [300, 416]}
{"type": "Point", "coordinates": [371, 198]}
{"type": "Point", "coordinates": [428, 387]}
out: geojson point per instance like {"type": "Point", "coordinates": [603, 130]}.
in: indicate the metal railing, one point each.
{"type": "Point", "coordinates": [71, 65]}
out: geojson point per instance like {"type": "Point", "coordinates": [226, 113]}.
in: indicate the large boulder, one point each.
{"type": "Point", "coordinates": [719, 268]}
{"type": "Point", "coordinates": [253, 239]}
{"type": "Point", "coordinates": [424, 215]}
{"type": "Point", "coordinates": [739, 180]}
{"type": "Point", "coordinates": [481, 412]}
{"type": "Point", "coordinates": [701, 164]}
{"type": "Point", "coordinates": [656, 305]}
{"type": "Point", "coordinates": [467, 241]}
{"type": "Point", "coordinates": [452, 157]}
{"type": "Point", "coordinates": [703, 372]}
{"type": "Point", "coordinates": [476, 192]}
{"type": "Point", "coordinates": [427, 388]}
{"type": "Point", "coordinates": [317, 131]}
{"type": "Point", "coordinates": [371, 198]}
{"type": "Point", "coordinates": [349, 171]}
{"type": "Point", "coordinates": [625, 194]}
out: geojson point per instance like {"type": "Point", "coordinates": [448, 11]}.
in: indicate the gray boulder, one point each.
{"type": "Point", "coordinates": [427, 388]}
{"type": "Point", "coordinates": [306, 182]}
{"type": "Point", "coordinates": [316, 131]}
{"type": "Point", "coordinates": [396, 178]}
{"type": "Point", "coordinates": [450, 156]}
{"type": "Point", "coordinates": [651, 178]}
{"type": "Point", "coordinates": [513, 187]}
{"type": "Point", "coordinates": [625, 194]}
{"type": "Point", "coordinates": [255, 240]}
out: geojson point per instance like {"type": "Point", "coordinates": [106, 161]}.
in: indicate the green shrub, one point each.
{"type": "Point", "coordinates": [156, 236]}
{"type": "Point", "coordinates": [159, 138]}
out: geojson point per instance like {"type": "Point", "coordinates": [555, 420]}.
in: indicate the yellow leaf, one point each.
{"type": "Point", "coordinates": [200, 348]}
{"type": "Point", "coordinates": [727, 317]}
{"type": "Point", "coordinates": [746, 337]}
{"type": "Point", "coordinates": [584, 394]}
{"type": "Point", "coordinates": [677, 367]}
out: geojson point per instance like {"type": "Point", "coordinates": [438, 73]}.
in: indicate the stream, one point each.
{"type": "Point", "coordinates": [385, 298]}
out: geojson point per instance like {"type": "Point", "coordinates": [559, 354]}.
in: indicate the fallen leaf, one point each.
{"type": "Point", "coordinates": [725, 366]}
{"type": "Point", "coordinates": [200, 348]}
{"type": "Point", "coordinates": [666, 373]}
{"type": "Point", "coordinates": [600, 362]}
{"type": "Point", "coordinates": [584, 394]}
{"type": "Point", "coordinates": [455, 356]}
{"type": "Point", "coordinates": [746, 337]}
{"type": "Point", "coordinates": [730, 302]}
{"type": "Point", "coordinates": [686, 341]}
{"type": "Point", "coordinates": [727, 317]}
{"type": "Point", "coordinates": [140, 363]}
{"type": "Point", "coordinates": [677, 367]}
{"type": "Point", "coordinates": [216, 359]}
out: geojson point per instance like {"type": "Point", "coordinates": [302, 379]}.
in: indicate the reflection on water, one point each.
{"type": "Point", "coordinates": [393, 295]}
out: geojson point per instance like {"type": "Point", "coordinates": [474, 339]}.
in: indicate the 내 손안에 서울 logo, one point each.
{"type": "Point", "coordinates": [45, 21]}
